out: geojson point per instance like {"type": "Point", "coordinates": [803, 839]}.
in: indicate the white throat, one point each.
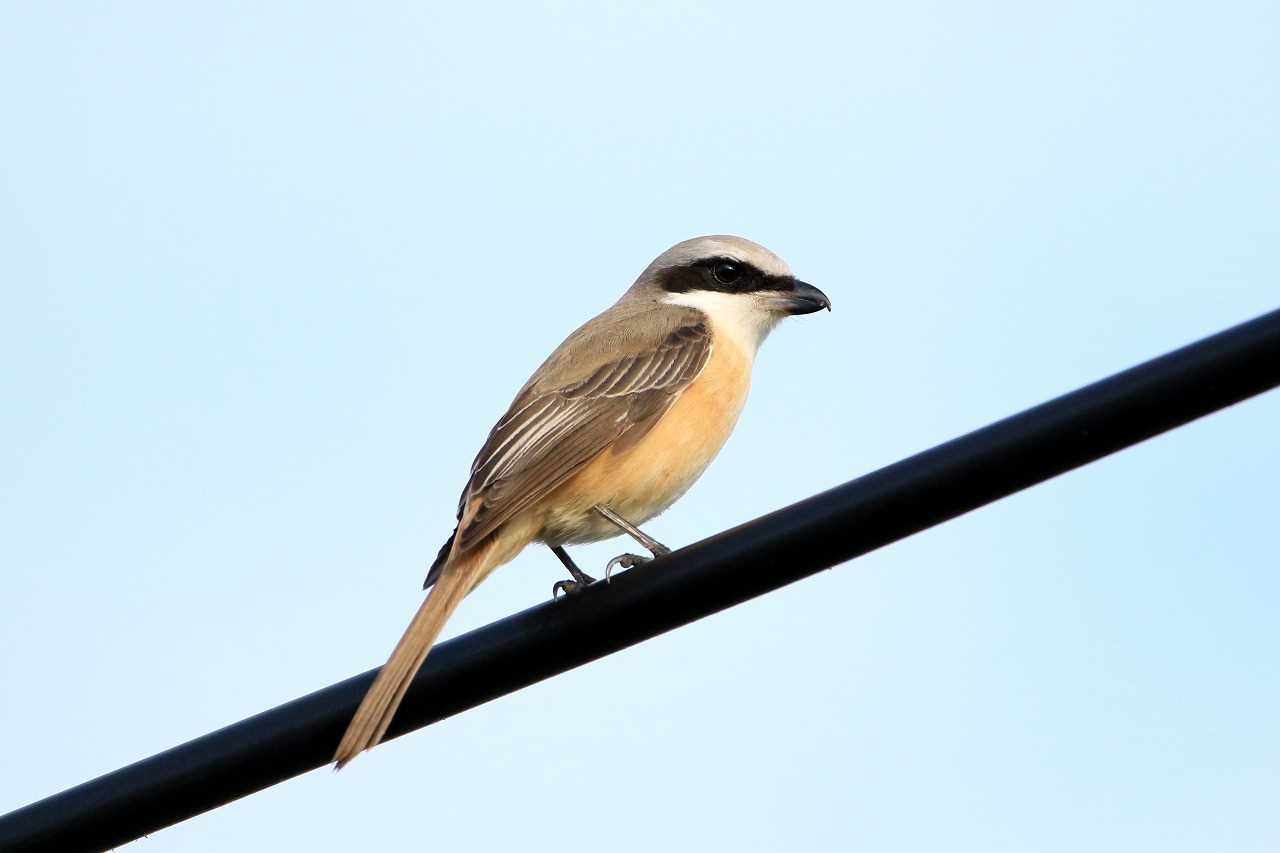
{"type": "Point", "coordinates": [738, 316]}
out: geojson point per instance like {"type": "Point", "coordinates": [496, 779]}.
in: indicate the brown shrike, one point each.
{"type": "Point", "coordinates": [615, 426]}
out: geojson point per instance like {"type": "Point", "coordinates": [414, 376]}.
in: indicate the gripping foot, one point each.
{"type": "Point", "coordinates": [625, 561]}
{"type": "Point", "coordinates": [581, 580]}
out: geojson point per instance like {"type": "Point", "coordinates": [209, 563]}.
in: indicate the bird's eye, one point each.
{"type": "Point", "coordinates": [727, 273]}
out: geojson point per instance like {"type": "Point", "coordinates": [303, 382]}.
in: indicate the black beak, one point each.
{"type": "Point", "coordinates": [804, 298]}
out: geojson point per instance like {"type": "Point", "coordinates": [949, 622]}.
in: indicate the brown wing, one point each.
{"type": "Point", "coordinates": [610, 381]}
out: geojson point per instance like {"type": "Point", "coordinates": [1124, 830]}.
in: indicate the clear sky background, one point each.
{"type": "Point", "coordinates": [271, 271]}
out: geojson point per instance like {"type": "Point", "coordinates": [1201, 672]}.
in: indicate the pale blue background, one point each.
{"type": "Point", "coordinates": [270, 273]}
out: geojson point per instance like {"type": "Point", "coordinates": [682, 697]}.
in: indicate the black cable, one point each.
{"type": "Point", "coordinates": [726, 569]}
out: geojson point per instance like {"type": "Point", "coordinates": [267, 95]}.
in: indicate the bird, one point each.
{"type": "Point", "coordinates": [608, 432]}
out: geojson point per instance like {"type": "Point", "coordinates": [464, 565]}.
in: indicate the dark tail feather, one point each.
{"type": "Point", "coordinates": [438, 566]}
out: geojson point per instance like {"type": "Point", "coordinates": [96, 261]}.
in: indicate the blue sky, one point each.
{"type": "Point", "coordinates": [271, 272]}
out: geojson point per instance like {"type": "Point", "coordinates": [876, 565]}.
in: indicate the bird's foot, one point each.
{"type": "Point", "coordinates": [626, 561]}
{"type": "Point", "coordinates": [572, 587]}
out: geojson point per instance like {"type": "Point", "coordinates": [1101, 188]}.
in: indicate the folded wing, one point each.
{"type": "Point", "coordinates": [614, 386]}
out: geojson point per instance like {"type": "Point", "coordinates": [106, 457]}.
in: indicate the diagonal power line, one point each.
{"type": "Point", "coordinates": [726, 569]}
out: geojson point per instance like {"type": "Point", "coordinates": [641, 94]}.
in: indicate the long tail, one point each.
{"type": "Point", "coordinates": [374, 714]}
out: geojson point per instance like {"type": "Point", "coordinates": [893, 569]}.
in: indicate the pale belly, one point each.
{"type": "Point", "coordinates": [646, 479]}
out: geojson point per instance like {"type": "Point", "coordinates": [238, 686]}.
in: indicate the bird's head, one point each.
{"type": "Point", "coordinates": [741, 286]}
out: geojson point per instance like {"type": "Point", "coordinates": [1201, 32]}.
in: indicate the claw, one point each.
{"type": "Point", "coordinates": [567, 587]}
{"type": "Point", "coordinates": [626, 561]}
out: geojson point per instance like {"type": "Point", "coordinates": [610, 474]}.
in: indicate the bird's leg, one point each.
{"type": "Point", "coordinates": [581, 580]}
{"type": "Point", "coordinates": [629, 560]}
{"type": "Point", "coordinates": [634, 532]}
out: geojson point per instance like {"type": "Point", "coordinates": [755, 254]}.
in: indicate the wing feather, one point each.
{"type": "Point", "coordinates": [551, 433]}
